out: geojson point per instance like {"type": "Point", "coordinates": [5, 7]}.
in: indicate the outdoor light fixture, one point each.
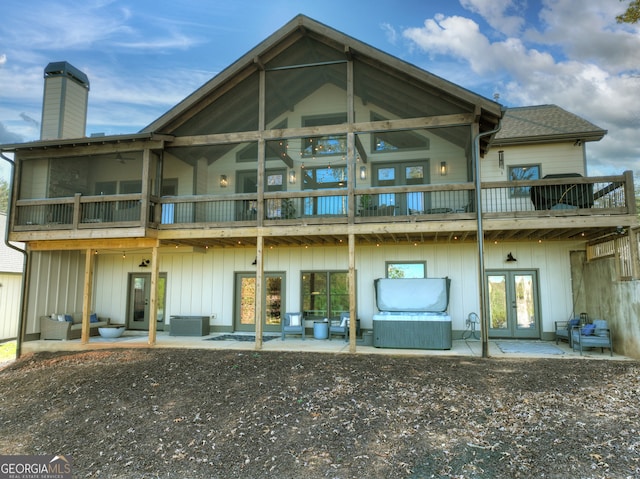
{"type": "Point", "coordinates": [501, 159]}
{"type": "Point", "coordinates": [224, 182]}
{"type": "Point", "coordinates": [144, 263]}
{"type": "Point", "coordinates": [363, 172]}
{"type": "Point", "coordinates": [292, 176]}
{"type": "Point", "coordinates": [510, 258]}
{"type": "Point", "coordinates": [443, 168]}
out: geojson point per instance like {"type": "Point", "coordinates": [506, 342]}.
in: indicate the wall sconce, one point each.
{"type": "Point", "coordinates": [224, 182]}
{"type": "Point", "coordinates": [292, 176]}
{"type": "Point", "coordinates": [501, 159]}
{"type": "Point", "coordinates": [144, 263]}
{"type": "Point", "coordinates": [363, 172]}
{"type": "Point", "coordinates": [443, 168]}
{"type": "Point", "coordinates": [510, 258]}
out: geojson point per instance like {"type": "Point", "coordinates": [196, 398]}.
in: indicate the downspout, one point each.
{"type": "Point", "coordinates": [484, 313]}
{"type": "Point", "coordinates": [25, 263]}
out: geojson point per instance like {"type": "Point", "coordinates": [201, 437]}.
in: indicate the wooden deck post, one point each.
{"type": "Point", "coordinates": [89, 262]}
{"type": "Point", "coordinates": [259, 287]}
{"type": "Point", "coordinates": [153, 297]}
{"type": "Point", "coordinates": [352, 293]}
{"type": "Point", "coordinates": [635, 254]}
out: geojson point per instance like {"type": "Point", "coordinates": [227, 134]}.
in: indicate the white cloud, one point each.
{"type": "Point", "coordinates": [3, 59]}
{"type": "Point", "coordinates": [579, 59]}
{"type": "Point", "coordinates": [495, 13]}
{"type": "Point", "coordinates": [85, 25]}
{"type": "Point", "coordinates": [390, 33]}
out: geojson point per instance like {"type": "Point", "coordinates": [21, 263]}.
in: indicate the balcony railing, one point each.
{"type": "Point", "coordinates": [549, 197]}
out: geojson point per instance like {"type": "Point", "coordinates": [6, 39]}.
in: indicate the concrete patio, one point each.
{"type": "Point", "coordinates": [460, 348]}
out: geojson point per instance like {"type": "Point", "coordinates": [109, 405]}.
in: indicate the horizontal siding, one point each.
{"type": "Point", "coordinates": [553, 158]}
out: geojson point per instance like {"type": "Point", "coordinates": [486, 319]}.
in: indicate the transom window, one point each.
{"type": "Point", "coordinates": [397, 140]}
{"type": "Point", "coordinates": [406, 269]}
{"type": "Point", "coordinates": [324, 145]}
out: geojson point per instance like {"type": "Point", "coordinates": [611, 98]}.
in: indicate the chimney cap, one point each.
{"type": "Point", "coordinates": [66, 69]}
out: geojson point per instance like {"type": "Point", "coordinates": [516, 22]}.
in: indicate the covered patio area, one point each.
{"type": "Point", "coordinates": [498, 348]}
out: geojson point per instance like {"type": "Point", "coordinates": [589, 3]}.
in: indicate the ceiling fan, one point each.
{"type": "Point", "coordinates": [121, 159]}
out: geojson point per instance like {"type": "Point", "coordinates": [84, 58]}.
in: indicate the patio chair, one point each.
{"type": "Point", "coordinates": [594, 335]}
{"type": "Point", "coordinates": [564, 329]}
{"type": "Point", "coordinates": [293, 323]}
{"type": "Point", "coordinates": [340, 326]}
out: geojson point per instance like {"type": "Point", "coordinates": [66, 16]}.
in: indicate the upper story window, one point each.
{"type": "Point", "coordinates": [521, 173]}
{"type": "Point", "coordinates": [324, 145]}
{"type": "Point", "coordinates": [384, 141]}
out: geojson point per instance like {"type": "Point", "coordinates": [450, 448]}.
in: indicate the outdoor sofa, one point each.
{"type": "Point", "coordinates": [69, 326]}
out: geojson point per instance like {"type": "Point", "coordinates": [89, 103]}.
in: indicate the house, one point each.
{"type": "Point", "coordinates": [11, 264]}
{"type": "Point", "coordinates": [307, 169]}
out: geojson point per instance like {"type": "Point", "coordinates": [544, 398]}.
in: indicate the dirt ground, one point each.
{"type": "Point", "coordinates": [166, 413]}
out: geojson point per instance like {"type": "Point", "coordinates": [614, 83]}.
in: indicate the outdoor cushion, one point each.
{"type": "Point", "coordinates": [588, 329]}
{"type": "Point", "coordinates": [93, 318]}
{"type": "Point", "coordinates": [68, 318]}
{"type": "Point", "coordinates": [294, 320]}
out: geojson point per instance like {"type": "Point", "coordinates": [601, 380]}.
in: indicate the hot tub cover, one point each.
{"type": "Point", "coordinates": [412, 294]}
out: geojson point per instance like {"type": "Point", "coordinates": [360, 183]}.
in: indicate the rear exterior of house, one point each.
{"type": "Point", "coordinates": [294, 179]}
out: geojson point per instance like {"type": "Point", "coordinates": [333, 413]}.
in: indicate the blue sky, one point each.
{"type": "Point", "coordinates": [142, 57]}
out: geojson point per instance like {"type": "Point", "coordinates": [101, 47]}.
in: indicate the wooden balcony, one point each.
{"type": "Point", "coordinates": [559, 208]}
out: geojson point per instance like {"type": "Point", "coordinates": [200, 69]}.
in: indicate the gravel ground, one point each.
{"type": "Point", "coordinates": [162, 413]}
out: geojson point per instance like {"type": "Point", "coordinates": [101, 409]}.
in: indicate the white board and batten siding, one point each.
{"type": "Point", "coordinates": [202, 283]}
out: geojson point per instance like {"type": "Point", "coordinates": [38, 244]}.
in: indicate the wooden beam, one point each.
{"type": "Point", "coordinates": [95, 244]}
{"type": "Point", "coordinates": [439, 121]}
{"type": "Point", "coordinates": [635, 254]}
{"type": "Point", "coordinates": [153, 296]}
{"type": "Point", "coordinates": [259, 289]}
{"type": "Point", "coordinates": [352, 294]}
{"type": "Point", "coordinates": [92, 149]}
{"type": "Point", "coordinates": [361, 151]}
{"type": "Point", "coordinates": [89, 263]}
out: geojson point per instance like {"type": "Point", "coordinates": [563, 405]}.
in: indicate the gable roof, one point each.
{"type": "Point", "coordinates": [545, 123]}
{"type": "Point", "coordinates": [301, 28]}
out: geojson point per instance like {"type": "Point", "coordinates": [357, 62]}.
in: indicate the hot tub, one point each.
{"type": "Point", "coordinates": [412, 313]}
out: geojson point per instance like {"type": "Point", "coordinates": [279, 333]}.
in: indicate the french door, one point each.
{"type": "Point", "coordinates": [400, 174]}
{"type": "Point", "coordinates": [513, 304]}
{"type": "Point", "coordinates": [139, 297]}
{"type": "Point", "coordinates": [272, 301]}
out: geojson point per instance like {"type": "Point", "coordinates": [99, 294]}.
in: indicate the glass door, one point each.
{"type": "Point", "coordinates": [513, 304]}
{"type": "Point", "coordinates": [400, 174]}
{"type": "Point", "coordinates": [272, 301]}
{"type": "Point", "coordinates": [139, 296]}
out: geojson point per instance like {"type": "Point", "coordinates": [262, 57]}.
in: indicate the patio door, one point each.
{"type": "Point", "coordinates": [513, 304]}
{"type": "Point", "coordinates": [247, 182]}
{"type": "Point", "coordinates": [139, 297]}
{"type": "Point", "coordinates": [272, 302]}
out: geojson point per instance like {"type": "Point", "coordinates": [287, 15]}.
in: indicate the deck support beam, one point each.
{"type": "Point", "coordinates": [89, 263]}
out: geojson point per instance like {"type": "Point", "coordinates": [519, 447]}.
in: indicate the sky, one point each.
{"type": "Point", "coordinates": [142, 57]}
